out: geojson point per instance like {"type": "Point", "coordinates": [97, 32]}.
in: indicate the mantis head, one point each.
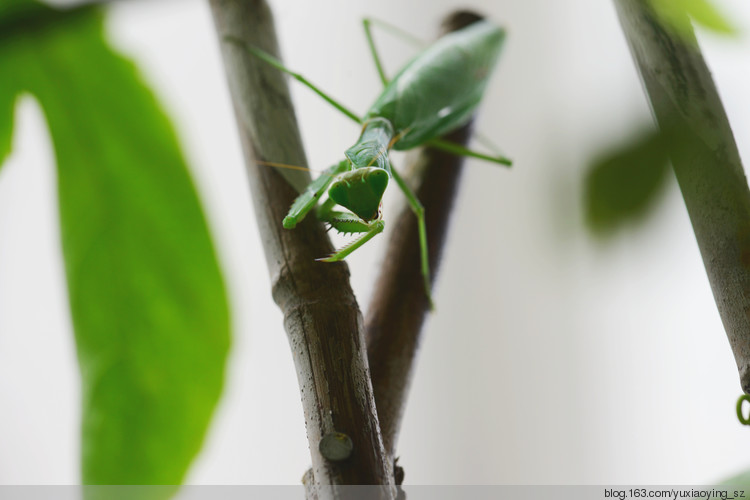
{"type": "Point", "coordinates": [360, 191]}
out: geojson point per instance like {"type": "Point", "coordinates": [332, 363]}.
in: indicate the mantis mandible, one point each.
{"type": "Point", "coordinates": [435, 93]}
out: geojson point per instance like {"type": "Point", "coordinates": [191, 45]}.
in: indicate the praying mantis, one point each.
{"type": "Point", "coordinates": [435, 93]}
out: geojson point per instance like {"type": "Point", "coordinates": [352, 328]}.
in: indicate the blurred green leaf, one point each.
{"type": "Point", "coordinates": [148, 302]}
{"type": "Point", "coordinates": [7, 102]}
{"type": "Point", "coordinates": [741, 480]}
{"type": "Point", "coordinates": [677, 14]}
{"type": "Point", "coordinates": [621, 185]}
{"type": "Point", "coordinates": [8, 12]}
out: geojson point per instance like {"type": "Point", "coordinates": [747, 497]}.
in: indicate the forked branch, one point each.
{"type": "Point", "coordinates": [321, 316]}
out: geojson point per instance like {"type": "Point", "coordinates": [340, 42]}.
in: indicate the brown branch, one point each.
{"type": "Point", "coordinates": [705, 159]}
{"type": "Point", "coordinates": [399, 304]}
{"type": "Point", "coordinates": [321, 316]}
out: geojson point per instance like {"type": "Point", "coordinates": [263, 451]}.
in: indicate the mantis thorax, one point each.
{"type": "Point", "coordinates": [361, 189]}
{"type": "Point", "coordinates": [371, 149]}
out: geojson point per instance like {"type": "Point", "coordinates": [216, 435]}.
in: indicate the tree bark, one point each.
{"type": "Point", "coordinates": [321, 316]}
{"type": "Point", "coordinates": [707, 165]}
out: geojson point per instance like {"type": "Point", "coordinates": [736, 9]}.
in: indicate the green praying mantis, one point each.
{"type": "Point", "coordinates": [435, 93]}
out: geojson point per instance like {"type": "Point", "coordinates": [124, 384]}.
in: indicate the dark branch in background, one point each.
{"type": "Point", "coordinates": [705, 160]}
{"type": "Point", "coordinates": [321, 316]}
{"type": "Point", "coordinates": [399, 304]}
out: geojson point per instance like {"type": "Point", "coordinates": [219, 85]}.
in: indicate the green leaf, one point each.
{"type": "Point", "coordinates": [8, 90]}
{"type": "Point", "coordinates": [704, 13]}
{"type": "Point", "coordinates": [741, 480]}
{"type": "Point", "coordinates": [676, 14]}
{"type": "Point", "coordinates": [7, 103]}
{"type": "Point", "coordinates": [621, 185]}
{"type": "Point", "coordinates": [148, 301]}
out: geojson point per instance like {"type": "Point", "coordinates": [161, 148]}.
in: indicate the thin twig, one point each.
{"type": "Point", "coordinates": [705, 160]}
{"type": "Point", "coordinates": [321, 316]}
{"type": "Point", "coordinates": [399, 304]}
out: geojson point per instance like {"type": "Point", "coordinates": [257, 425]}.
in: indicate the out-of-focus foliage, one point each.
{"type": "Point", "coordinates": [148, 302]}
{"type": "Point", "coordinates": [677, 14]}
{"type": "Point", "coordinates": [741, 480]}
{"type": "Point", "coordinates": [7, 99]}
{"type": "Point", "coordinates": [621, 185]}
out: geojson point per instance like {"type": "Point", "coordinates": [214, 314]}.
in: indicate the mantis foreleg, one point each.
{"type": "Point", "coordinates": [348, 224]}
{"type": "Point", "coordinates": [309, 198]}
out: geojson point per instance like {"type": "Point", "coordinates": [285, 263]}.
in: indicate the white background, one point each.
{"type": "Point", "coordinates": [553, 357]}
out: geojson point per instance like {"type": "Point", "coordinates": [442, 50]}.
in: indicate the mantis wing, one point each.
{"type": "Point", "coordinates": [439, 89]}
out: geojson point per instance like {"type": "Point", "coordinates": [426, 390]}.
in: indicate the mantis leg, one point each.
{"type": "Point", "coordinates": [348, 223]}
{"type": "Point", "coordinates": [487, 143]}
{"type": "Point", "coordinates": [396, 31]}
{"type": "Point", "coordinates": [345, 222]}
{"type": "Point", "coordinates": [367, 23]}
{"type": "Point", "coordinates": [268, 58]}
{"type": "Point", "coordinates": [309, 198]}
{"type": "Point", "coordinates": [418, 210]}
{"type": "Point", "coordinates": [457, 149]}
